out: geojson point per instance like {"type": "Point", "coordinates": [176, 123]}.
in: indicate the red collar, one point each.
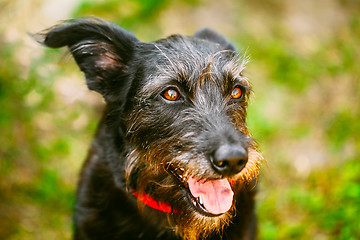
{"type": "Point", "coordinates": [151, 202]}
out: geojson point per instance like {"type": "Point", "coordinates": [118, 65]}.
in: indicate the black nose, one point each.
{"type": "Point", "coordinates": [229, 160]}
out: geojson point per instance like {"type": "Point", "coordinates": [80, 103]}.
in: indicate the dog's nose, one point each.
{"type": "Point", "coordinates": [229, 160]}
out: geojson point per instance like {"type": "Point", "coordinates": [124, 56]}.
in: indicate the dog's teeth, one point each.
{"type": "Point", "coordinates": [200, 200]}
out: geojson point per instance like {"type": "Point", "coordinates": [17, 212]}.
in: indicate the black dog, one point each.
{"type": "Point", "coordinates": [172, 157]}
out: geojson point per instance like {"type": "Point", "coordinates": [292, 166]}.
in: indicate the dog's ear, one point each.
{"type": "Point", "coordinates": [102, 50]}
{"type": "Point", "coordinates": [213, 36]}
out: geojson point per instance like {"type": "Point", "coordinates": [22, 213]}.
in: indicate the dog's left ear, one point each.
{"type": "Point", "coordinates": [213, 36]}
{"type": "Point", "coordinates": [102, 50]}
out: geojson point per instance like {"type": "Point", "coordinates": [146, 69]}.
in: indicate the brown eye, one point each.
{"type": "Point", "coordinates": [236, 93]}
{"type": "Point", "coordinates": [171, 94]}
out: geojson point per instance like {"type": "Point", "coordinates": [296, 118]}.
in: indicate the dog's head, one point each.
{"type": "Point", "coordinates": [176, 110]}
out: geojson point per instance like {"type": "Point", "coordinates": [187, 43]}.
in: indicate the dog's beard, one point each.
{"type": "Point", "coordinates": [153, 176]}
{"type": "Point", "coordinates": [184, 218]}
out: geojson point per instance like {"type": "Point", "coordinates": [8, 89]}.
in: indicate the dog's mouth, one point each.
{"type": "Point", "coordinates": [209, 197]}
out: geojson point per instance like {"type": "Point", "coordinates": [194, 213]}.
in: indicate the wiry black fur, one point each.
{"type": "Point", "coordinates": [142, 137]}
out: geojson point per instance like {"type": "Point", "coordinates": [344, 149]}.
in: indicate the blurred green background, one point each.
{"type": "Point", "coordinates": [305, 113]}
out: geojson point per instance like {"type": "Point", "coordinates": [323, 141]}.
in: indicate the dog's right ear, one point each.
{"type": "Point", "coordinates": [102, 50]}
{"type": "Point", "coordinates": [213, 36]}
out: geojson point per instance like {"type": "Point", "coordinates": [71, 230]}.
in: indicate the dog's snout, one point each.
{"type": "Point", "coordinates": [229, 160]}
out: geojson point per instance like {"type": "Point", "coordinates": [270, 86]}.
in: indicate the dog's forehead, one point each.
{"type": "Point", "coordinates": [190, 61]}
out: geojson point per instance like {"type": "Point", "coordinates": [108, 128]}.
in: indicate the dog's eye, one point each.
{"type": "Point", "coordinates": [236, 93]}
{"type": "Point", "coordinates": [171, 94]}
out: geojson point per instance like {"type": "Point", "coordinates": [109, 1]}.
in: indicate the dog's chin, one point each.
{"type": "Point", "coordinates": [208, 197]}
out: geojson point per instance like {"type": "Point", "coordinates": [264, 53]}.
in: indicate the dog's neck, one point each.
{"type": "Point", "coordinates": [151, 202]}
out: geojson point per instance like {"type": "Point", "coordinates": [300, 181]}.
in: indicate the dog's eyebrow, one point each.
{"type": "Point", "coordinates": [162, 53]}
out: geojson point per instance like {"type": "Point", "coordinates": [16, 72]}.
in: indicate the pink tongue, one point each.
{"type": "Point", "coordinates": [216, 195]}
